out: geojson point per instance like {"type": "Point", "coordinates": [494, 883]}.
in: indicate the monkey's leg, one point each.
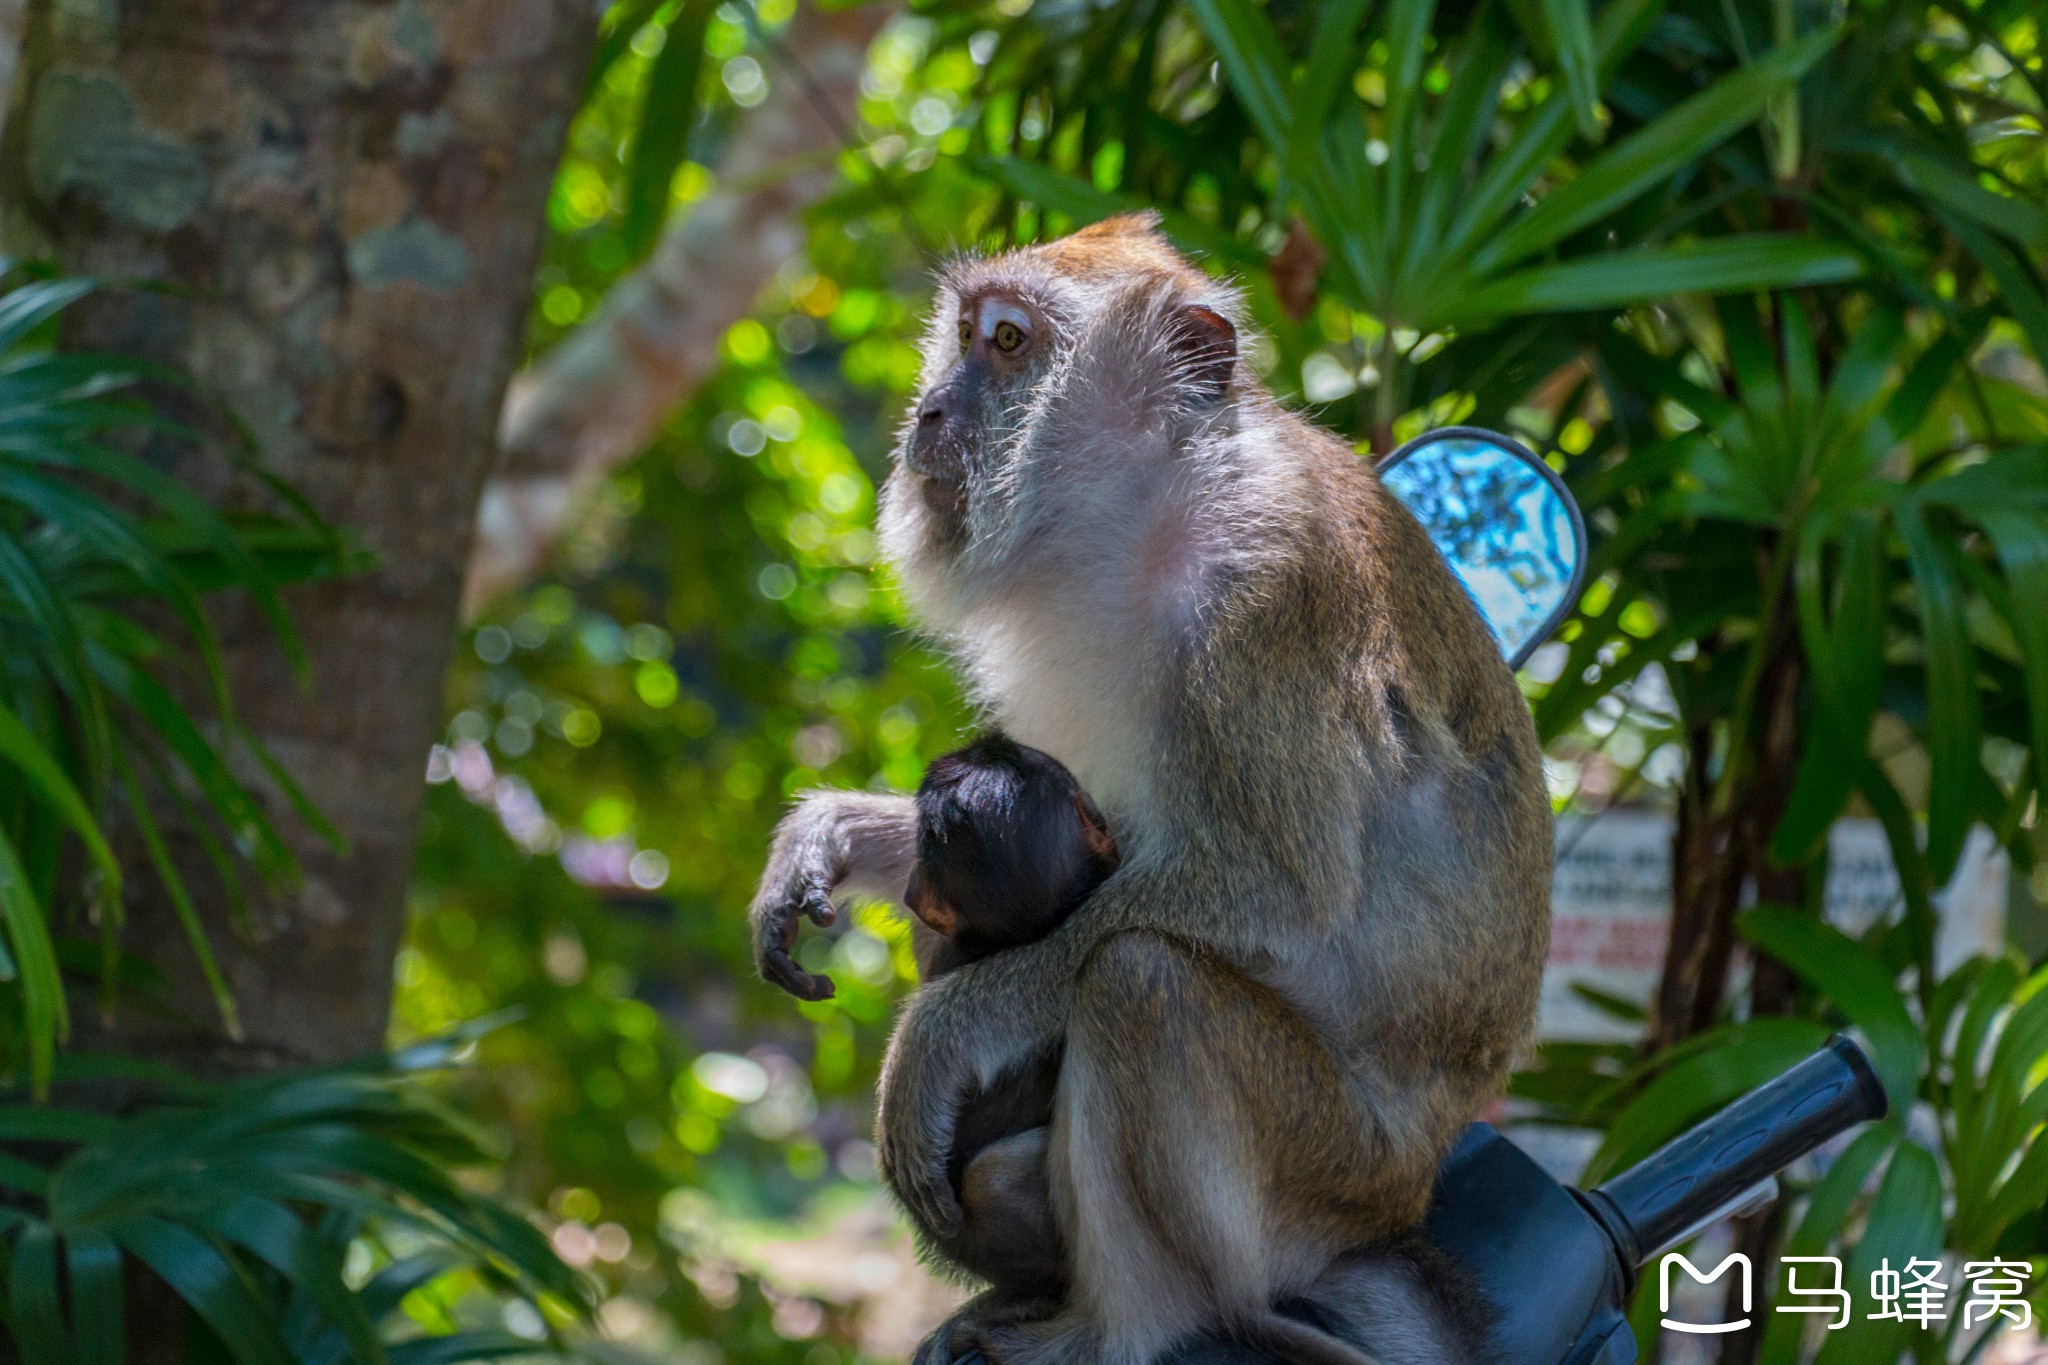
{"type": "Point", "coordinates": [1407, 1301]}
{"type": "Point", "coordinates": [1210, 1160]}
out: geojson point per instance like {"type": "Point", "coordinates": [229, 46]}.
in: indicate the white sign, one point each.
{"type": "Point", "coordinates": [1611, 909]}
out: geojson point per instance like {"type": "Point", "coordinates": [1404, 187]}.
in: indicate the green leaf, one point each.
{"type": "Point", "coordinates": [1570, 23]}
{"type": "Point", "coordinates": [47, 779]}
{"type": "Point", "coordinates": [461, 1347]}
{"type": "Point", "coordinates": [37, 1310]}
{"type": "Point", "coordinates": [1847, 973]}
{"type": "Point", "coordinates": [1989, 996]}
{"type": "Point", "coordinates": [194, 514]}
{"type": "Point", "coordinates": [1331, 59]}
{"type": "Point", "coordinates": [391, 1284]}
{"type": "Point", "coordinates": [92, 1264]}
{"type": "Point", "coordinates": [1407, 35]}
{"type": "Point", "coordinates": [181, 902]}
{"type": "Point", "coordinates": [622, 23]}
{"type": "Point", "coordinates": [2023, 1193]}
{"type": "Point", "coordinates": [1477, 69]}
{"type": "Point", "coordinates": [42, 989]}
{"type": "Point", "coordinates": [1655, 154]}
{"type": "Point", "coordinates": [1253, 62]}
{"type": "Point", "coordinates": [223, 792]}
{"type": "Point", "coordinates": [1721, 264]}
{"type": "Point", "coordinates": [204, 1278]}
{"type": "Point", "coordinates": [2014, 478]}
{"type": "Point", "coordinates": [314, 818]}
{"type": "Point", "coordinates": [2016, 281]}
{"type": "Point", "coordinates": [1822, 1225]}
{"type": "Point", "coordinates": [1904, 1222]}
{"type": "Point", "coordinates": [667, 113]}
{"type": "Point", "coordinates": [58, 646]}
{"type": "Point", "coordinates": [2021, 541]}
{"type": "Point", "coordinates": [1621, 27]}
{"type": "Point", "coordinates": [49, 1123]}
{"type": "Point", "coordinates": [99, 525]}
{"type": "Point", "coordinates": [1954, 727]}
{"type": "Point", "coordinates": [1847, 661]}
{"type": "Point", "coordinates": [284, 1243]}
{"type": "Point", "coordinates": [1954, 186]}
{"type": "Point", "coordinates": [28, 307]}
{"type": "Point", "coordinates": [1740, 1058]}
{"type": "Point", "coordinates": [1506, 178]}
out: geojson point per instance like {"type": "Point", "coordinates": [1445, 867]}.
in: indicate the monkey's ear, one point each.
{"type": "Point", "coordinates": [1205, 345]}
{"type": "Point", "coordinates": [1095, 835]}
{"type": "Point", "coordinates": [937, 915]}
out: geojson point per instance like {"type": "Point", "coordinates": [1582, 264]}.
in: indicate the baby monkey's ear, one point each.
{"type": "Point", "coordinates": [938, 915]}
{"type": "Point", "coordinates": [1205, 346]}
{"type": "Point", "coordinates": [1095, 835]}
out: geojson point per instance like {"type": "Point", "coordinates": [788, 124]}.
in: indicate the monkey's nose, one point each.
{"type": "Point", "coordinates": [935, 446]}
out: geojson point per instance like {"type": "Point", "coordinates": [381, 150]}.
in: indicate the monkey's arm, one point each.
{"type": "Point", "coordinates": [832, 845]}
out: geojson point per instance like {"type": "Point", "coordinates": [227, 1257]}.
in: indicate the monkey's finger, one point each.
{"type": "Point", "coordinates": [774, 932]}
{"type": "Point", "coordinates": [780, 968]}
{"type": "Point", "coordinates": [817, 904]}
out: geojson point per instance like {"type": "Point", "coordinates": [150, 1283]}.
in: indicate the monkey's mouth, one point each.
{"type": "Point", "coordinates": [940, 460]}
{"type": "Point", "coordinates": [944, 495]}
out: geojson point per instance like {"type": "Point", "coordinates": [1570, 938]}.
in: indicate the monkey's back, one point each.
{"type": "Point", "coordinates": [1399, 857]}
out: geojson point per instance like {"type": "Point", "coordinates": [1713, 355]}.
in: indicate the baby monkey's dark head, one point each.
{"type": "Point", "coordinates": [1007, 845]}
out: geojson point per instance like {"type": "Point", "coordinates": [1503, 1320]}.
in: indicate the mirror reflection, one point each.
{"type": "Point", "coordinates": [1506, 524]}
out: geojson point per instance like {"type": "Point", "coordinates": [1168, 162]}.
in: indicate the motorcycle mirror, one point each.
{"type": "Point", "coordinates": [1510, 529]}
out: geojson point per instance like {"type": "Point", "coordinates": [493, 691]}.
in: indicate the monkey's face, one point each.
{"type": "Point", "coordinates": [1060, 382]}
{"type": "Point", "coordinates": [989, 345]}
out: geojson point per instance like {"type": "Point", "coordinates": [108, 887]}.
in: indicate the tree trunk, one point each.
{"type": "Point", "coordinates": [346, 202]}
{"type": "Point", "coordinates": [1722, 850]}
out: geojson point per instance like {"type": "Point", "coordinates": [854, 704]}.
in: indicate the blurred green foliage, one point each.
{"type": "Point", "coordinates": [1521, 209]}
{"type": "Point", "coordinates": [718, 638]}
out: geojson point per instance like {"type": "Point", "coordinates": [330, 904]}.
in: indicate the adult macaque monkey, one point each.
{"type": "Point", "coordinates": [1323, 944]}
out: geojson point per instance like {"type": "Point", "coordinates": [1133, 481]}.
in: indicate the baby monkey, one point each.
{"type": "Point", "coordinates": [1007, 846]}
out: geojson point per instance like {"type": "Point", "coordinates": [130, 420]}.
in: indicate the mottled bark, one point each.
{"type": "Point", "coordinates": [598, 396]}
{"type": "Point", "coordinates": [346, 201]}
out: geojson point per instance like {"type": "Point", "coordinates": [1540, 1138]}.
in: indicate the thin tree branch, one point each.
{"type": "Point", "coordinates": [595, 400]}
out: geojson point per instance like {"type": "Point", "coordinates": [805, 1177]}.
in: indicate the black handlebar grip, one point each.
{"type": "Point", "coordinates": [1745, 1144]}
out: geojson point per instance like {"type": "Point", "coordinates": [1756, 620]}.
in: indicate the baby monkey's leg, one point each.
{"type": "Point", "coordinates": [1010, 1238]}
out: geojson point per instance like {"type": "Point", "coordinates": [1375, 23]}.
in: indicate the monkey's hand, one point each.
{"type": "Point", "coordinates": [832, 845]}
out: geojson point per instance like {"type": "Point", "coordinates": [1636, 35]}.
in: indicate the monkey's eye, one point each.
{"type": "Point", "coordinates": [966, 334]}
{"type": "Point", "coordinates": [1008, 336]}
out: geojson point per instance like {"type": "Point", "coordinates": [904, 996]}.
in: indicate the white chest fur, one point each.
{"type": "Point", "coordinates": [1080, 684]}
